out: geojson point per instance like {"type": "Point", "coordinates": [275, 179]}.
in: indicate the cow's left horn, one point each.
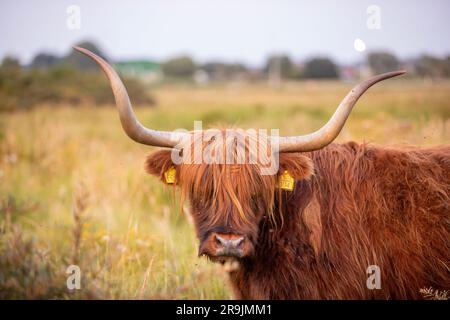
{"type": "Point", "coordinates": [133, 128]}
{"type": "Point", "coordinates": [331, 129]}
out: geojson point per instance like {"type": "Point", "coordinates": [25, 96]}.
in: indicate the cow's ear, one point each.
{"type": "Point", "coordinates": [159, 164]}
{"type": "Point", "coordinates": [298, 166]}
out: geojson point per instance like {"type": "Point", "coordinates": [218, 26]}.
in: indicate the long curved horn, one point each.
{"type": "Point", "coordinates": [133, 128]}
{"type": "Point", "coordinates": [331, 129]}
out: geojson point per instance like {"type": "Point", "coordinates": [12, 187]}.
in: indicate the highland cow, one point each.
{"type": "Point", "coordinates": [314, 228]}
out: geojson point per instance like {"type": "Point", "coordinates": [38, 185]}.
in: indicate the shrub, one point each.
{"type": "Point", "coordinates": [22, 89]}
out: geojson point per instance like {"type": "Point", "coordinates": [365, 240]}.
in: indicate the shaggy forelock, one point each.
{"type": "Point", "coordinates": [231, 192]}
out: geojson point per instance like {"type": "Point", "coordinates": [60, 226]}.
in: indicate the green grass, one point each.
{"type": "Point", "coordinates": [70, 175]}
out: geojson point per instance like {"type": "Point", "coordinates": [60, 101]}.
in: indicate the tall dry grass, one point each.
{"type": "Point", "coordinates": [73, 189]}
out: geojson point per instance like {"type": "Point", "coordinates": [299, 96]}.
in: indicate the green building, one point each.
{"type": "Point", "coordinates": [145, 70]}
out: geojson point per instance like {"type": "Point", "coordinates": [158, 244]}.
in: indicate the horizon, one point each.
{"type": "Point", "coordinates": [361, 62]}
{"type": "Point", "coordinates": [160, 30]}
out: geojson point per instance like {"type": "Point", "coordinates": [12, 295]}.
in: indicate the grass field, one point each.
{"type": "Point", "coordinates": [73, 189]}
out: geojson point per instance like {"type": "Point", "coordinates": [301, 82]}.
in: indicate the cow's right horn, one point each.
{"type": "Point", "coordinates": [331, 129]}
{"type": "Point", "coordinates": [133, 128]}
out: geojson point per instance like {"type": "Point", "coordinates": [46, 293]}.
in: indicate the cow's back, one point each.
{"type": "Point", "coordinates": [388, 208]}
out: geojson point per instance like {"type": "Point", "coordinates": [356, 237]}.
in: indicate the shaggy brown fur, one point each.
{"type": "Point", "coordinates": [353, 206]}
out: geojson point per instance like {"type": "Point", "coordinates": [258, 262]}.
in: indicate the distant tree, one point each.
{"type": "Point", "coordinates": [10, 63]}
{"type": "Point", "coordinates": [430, 66]}
{"type": "Point", "coordinates": [320, 68]}
{"type": "Point", "coordinates": [179, 67]}
{"type": "Point", "coordinates": [77, 60]}
{"type": "Point", "coordinates": [381, 62]}
{"type": "Point", "coordinates": [281, 66]}
{"type": "Point", "coordinates": [220, 71]}
{"type": "Point", "coordinates": [44, 60]}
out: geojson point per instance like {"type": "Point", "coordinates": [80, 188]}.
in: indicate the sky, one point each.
{"type": "Point", "coordinates": [234, 31]}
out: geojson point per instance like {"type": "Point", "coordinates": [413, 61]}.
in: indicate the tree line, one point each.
{"type": "Point", "coordinates": [284, 67]}
{"type": "Point", "coordinates": [75, 80]}
{"type": "Point", "coordinates": [70, 80]}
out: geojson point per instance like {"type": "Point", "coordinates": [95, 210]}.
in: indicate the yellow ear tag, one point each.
{"type": "Point", "coordinates": [169, 175]}
{"type": "Point", "coordinates": [285, 181]}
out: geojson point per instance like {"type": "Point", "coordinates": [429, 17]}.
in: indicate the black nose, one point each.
{"type": "Point", "coordinates": [229, 245]}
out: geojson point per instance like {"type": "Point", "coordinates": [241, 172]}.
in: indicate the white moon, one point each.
{"type": "Point", "coordinates": [359, 45]}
